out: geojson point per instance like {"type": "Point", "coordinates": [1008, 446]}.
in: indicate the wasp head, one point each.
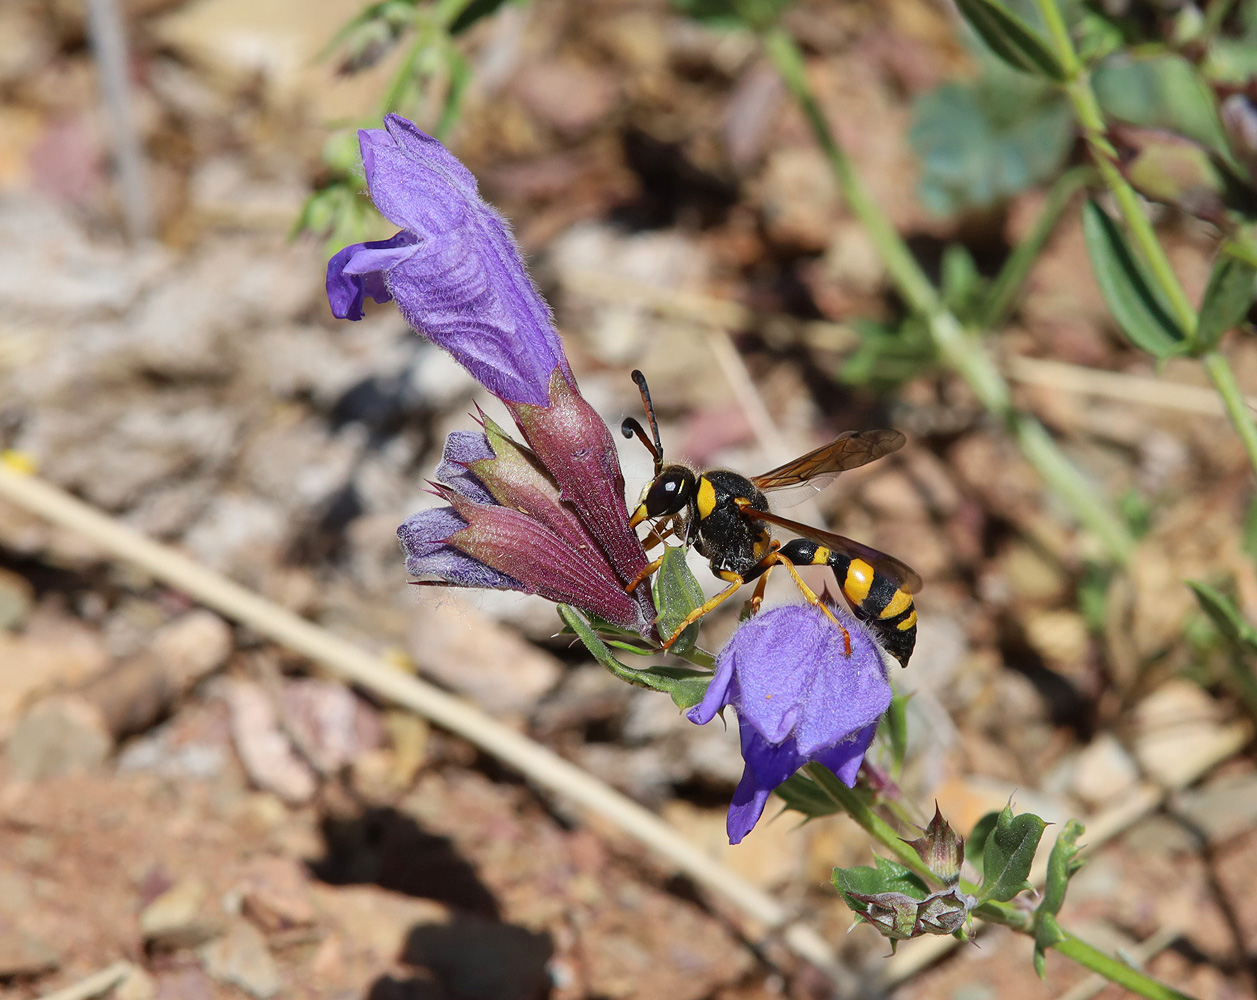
{"type": "Point", "coordinates": [672, 492]}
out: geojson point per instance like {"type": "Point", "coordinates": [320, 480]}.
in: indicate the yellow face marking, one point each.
{"type": "Point", "coordinates": [859, 580]}
{"type": "Point", "coordinates": [908, 622]}
{"type": "Point", "coordinates": [706, 499]}
{"type": "Point", "coordinates": [638, 517]}
{"type": "Point", "coordinates": [897, 605]}
{"type": "Point", "coordinates": [821, 556]}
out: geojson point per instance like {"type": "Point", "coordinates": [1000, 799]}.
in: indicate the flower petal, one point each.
{"type": "Point", "coordinates": [424, 537]}
{"type": "Point", "coordinates": [465, 287]}
{"type": "Point", "coordinates": [845, 758]}
{"type": "Point", "coordinates": [767, 766]}
{"type": "Point", "coordinates": [462, 448]}
{"type": "Point", "coordinates": [358, 271]}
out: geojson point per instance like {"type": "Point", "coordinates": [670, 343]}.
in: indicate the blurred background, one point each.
{"type": "Point", "coordinates": [179, 793]}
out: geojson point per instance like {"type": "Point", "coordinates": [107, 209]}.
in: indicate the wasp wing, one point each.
{"type": "Point", "coordinates": [848, 450]}
{"type": "Point", "coordinates": [903, 577]}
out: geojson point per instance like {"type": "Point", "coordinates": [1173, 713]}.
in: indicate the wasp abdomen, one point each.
{"type": "Point", "coordinates": [874, 597]}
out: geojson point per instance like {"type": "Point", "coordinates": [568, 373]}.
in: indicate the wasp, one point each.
{"type": "Point", "coordinates": [725, 516]}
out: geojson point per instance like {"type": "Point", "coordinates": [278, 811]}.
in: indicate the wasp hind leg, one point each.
{"type": "Point", "coordinates": [809, 595]}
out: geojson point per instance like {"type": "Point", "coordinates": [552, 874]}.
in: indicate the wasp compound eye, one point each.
{"type": "Point", "coordinates": [667, 495]}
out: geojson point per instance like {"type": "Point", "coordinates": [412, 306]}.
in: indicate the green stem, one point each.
{"type": "Point", "coordinates": [1088, 956]}
{"type": "Point", "coordinates": [962, 352]}
{"type": "Point", "coordinates": [1219, 370]}
{"type": "Point", "coordinates": [855, 807]}
{"type": "Point", "coordinates": [1087, 110]}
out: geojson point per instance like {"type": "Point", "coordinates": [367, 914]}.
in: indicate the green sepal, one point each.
{"type": "Point", "coordinates": [803, 795]}
{"type": "Point", "coordinates": [896, 729]}
{"type": "Point", "coordinates": [1008, 855]}
{"type": "Point", "coordinates": [1127, 291]}
{"type": "Point", "coordinates": [677, 593]}
{"type": "Point", "coordinates": [888, 876]}
{"type": "Point", "coordinates": [1063, 862]}
{"type": "Point", "coordinates": [685, 685]}
{"type": "Point", "coordinates": [1227, 300]}
{"type": "Point", "coordinates": [1225, 616]}
{"type": "Point", "coordinates": [975, 843]}
{"type": "Point", "coordinates": [1010, 38]}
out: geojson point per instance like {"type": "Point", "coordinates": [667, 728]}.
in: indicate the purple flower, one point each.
{"type": "Point", "coordinates": [457, 277]}
{"type": "Point", "coordinates": [506, 529]}
{"type": "Point", "coordinates": [454, 269]}
{"type": "Point", "coordinates": [799, 697]}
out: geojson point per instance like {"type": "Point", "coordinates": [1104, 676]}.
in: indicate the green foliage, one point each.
{"type": "Point", "coordinates": [803, 795]}
{"type": "Point", "coordinates": [676, 593]}
{"type": "Point", "coordinates": [1008, 854]}
{"type": "Point", "coordinates": [975, 843]}
{"type": "Point", "coordinates": [1063, 862]}
{"type": "Point", "coordinates": [1227, 300]}
{"type": "Point", "coordinates": [754, 14]}
{"type": "Point", "coordinates": [895, 730]}
{"type": "Point", "coordinates": [980, 143]}
{"type": "Point", "coordinates": [1131, 297]}
{"type": "Point", "coordinates": [1162, 92]}
{"type": "Point", "coordinates": [888, 876]}
{"type": "Point", "coordinates": [1225, 616]}
{"type": "Point", "coordinates": [889, 354]}
{"type": "Point", "coordinates": [686, 685]}
{"type": "Point", "coordinates": [1010, 38]}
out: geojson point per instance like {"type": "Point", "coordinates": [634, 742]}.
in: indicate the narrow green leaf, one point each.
{"type": "Point", "coordinates": [975, 843]}
{"type": "Point", "coordinates": [1010, 38]}
{"type": "Point", "coordinates": [1126, 290]}
{"type": "Point", "coordinates": [896, 728]}
{"type": "Point", "coordinates": [1226, 301]}
{"type": "Point", "coordinates": [1062, 864]}
{"type": "Point", "coordinates": [677, 593]}
{"type": "Point", "coordinates": [686, 685]}
{"type": "Point", "coordinates": [1225, 616]}
{"type": "Point", "coordinates": [1008, 855]}
{"type": "Point", "coordinates": [803, 795]}
{"type": "Point", "coordinates": [888, 876]}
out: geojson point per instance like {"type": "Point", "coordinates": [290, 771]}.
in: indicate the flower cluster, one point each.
{"type": "Point", "coordinates": [547, 516]}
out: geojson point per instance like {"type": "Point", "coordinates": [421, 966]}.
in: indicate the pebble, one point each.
{"type": "Point", "coordinates": [24, 954]}
{"type": "Point", "coordinates": [1223, 809]}
{"type": "Point", "coordinates": [59, 735]}
{"type": "Point", "coordinates": [240, 958]}
{"type": "Point", "coordinates": [192, 646]}
{"type": "Point", "coordinates": [16, 598]}
{"type": "Point", "coordinates": [266, 753]}
{"type": "Point", "coordinates": [276, 894]}
{"type": "Point", "coordinates": [175, 919]}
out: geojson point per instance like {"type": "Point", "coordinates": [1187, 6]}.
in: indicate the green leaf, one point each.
{"type": "Point", "coordinates": [983, 142]}
{"type": "Point", "coordinates": [686, 685]}
{"type": "Point", "coordinates": [896, 728]}
{"type": "Point", "coordinates": [1062, 864]}
{"type": "Point", "coordinates": [803, 795]}
{"type": "Point", "coordinates": [888, 876]}
{"type": "Point", "coordinates": [1225, 616]}
{"type": "Point", "coordinates": [975, 843]}
{"type": "Point", "coordinates": [1226, 301]}
{"type": "Point", "coordinates": [889, 354]}
{"type": "Point", "coordinates": [1008, 855]}
{"type": "Point", "coordinates": [475, 11]}
{"type": "Point", "coordinates": [1126, 290]}
{"type": "Point", "coordinates": [1010, 38]}
{"type": "Point", "coordinates": [754, 14]}
{"type": "Point", "coordinates": [677, 593]}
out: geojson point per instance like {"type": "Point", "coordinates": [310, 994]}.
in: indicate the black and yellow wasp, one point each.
{"type": "Point", "coordinates": [726, 517]}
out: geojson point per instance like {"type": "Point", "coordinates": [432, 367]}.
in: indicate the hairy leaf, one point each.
{"type": "Point", "coordinates": [1008, 855]}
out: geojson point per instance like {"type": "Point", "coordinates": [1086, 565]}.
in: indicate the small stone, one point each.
{"type": "Point", "coordinates": [266, 753]}
{"type": "Point", "coordinates": [1173, 726]}
{"type": "Point", "coordinates": [240, 958]}
{"type": "Point", "coordinates": [59, 735]}
{"type": "Point", "coordinates": [1103, 771]}
{"type": "Point", "coordinates": [276, 894]}
{"type": "Point", "coordinates": [24, 954]}
{"type": "Point", "coordinates": [192, 646]}
{"type": "Point", "coordinates": [138, 985]}
{"type": "Point", "coordinates": [174, 919]}
{"type": "Point", "coordinates": [16, 597]}
{"type": "Point", "coordinates": [1223, 809]}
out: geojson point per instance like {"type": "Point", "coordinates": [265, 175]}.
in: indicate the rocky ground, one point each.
{"type": "Point", "coordinates": [177, 793]}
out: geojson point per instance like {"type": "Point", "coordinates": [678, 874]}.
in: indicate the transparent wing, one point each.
{"type": "Point", "coordinates": [849, 450]}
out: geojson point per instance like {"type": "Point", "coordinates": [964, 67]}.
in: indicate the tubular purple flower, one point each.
{"type": "Point", "coordinates": [799, 697]}
{"type": "Point", "coordinates": [506, 529]}
{"type": "Point", "coordinates": [457, 277]}
{"type": "Point", "coordinates": [454, 269]}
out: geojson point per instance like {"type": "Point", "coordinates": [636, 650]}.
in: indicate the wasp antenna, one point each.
{"type": "Point", "coordinates": [631, 427]}
{"type": "Point", "coordinates": [640, 379]}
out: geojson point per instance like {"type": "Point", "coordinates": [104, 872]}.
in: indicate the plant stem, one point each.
{"type": "Point", "coordinates": [859, 810]}
{"type": "Point", "coordinates": [1087, 110]}
{"type": "Point", "coordinates": [960, 351]}
{"type": "Point", "coordinates": [1088, 956]}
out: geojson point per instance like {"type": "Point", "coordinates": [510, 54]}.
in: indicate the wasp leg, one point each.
{"type": "Point", "coordinates": [646, 571]}
{"type": "Point", "coordinates": [657, 537]}
{"type": "Point", "coordinates": [735, 583]}
{"type": "Point", "coordinates": [772, 559]}
{"type": "Point", "coordinates": [810, 596]}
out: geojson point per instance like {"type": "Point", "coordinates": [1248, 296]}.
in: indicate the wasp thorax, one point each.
{"type": "Point", "coordinates": [670, 493]}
